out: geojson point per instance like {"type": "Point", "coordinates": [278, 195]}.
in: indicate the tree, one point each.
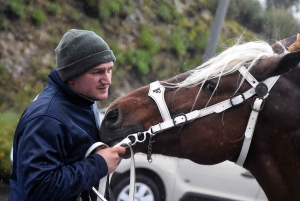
{"type": "Point", "coordinates": [283, 4]}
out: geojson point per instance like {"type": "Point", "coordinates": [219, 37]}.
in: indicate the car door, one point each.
{"type": "Point", "coordinates": [225, 180]}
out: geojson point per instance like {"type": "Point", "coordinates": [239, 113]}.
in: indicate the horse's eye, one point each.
{"type": "Point", "coordinates": [209, 86]}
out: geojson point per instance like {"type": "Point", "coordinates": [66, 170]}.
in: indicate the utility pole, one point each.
{"type": "Point", "coordinates": [215, 29]}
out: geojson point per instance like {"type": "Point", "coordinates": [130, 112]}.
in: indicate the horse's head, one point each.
{"type": "Point", "coordinates": [217, 136]}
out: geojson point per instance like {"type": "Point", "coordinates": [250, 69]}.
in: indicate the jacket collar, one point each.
{"type": "Point", "coordinates": [71, 95]}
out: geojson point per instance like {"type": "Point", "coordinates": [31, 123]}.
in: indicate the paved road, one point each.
{"type": "Point", "coordinates": [4, 191]}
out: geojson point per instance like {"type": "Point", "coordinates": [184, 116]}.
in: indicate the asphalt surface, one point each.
{"type": "Point", "coordinates": [4, 191]}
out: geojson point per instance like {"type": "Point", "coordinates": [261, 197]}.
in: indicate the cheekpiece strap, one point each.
{"type": "Point", "coordinates": [156, 92]}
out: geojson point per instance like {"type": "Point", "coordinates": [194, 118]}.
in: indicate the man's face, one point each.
{"type": "Point", "coordinates": [94, 83]}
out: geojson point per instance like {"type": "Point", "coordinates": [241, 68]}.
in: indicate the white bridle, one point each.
{"type": "Point", "coordinates": [156, 91]}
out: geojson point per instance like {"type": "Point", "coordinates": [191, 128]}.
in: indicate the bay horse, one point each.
{"type": "Point", "coordinates": [237, 79]}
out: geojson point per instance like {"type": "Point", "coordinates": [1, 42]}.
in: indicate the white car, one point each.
{"type": "Point", "coordinates": [173, 179]}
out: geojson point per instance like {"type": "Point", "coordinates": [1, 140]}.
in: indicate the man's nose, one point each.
{"type": "Point", "coordinates": [106, 79]}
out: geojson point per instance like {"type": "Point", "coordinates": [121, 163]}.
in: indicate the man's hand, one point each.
{"type": "Point", "coordinates": [111, 156]}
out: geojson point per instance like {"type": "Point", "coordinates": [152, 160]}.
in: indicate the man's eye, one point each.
{"type": "Point", "coordinates": [97, 72]}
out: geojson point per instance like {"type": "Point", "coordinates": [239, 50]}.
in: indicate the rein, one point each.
{"type": "Point", "coordinates": [260, 89]}
{"type": "Point", "coordinates": [100, 145]}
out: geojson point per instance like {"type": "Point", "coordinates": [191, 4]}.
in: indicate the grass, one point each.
{"type": "Point", "coordinates": [8, 123]}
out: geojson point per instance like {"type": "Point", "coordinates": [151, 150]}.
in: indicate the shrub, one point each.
{"type": "Point", "coordinates": [53, 8]}
{"type": "Point", "coordinates": [108, 8]}
{"type": "Point", "coordinates": [147, 41]}
{"type": "Point", "coordinates": [142, 61]}
{"type": "Point", "coordinates": [177, 41]}
{"type": "Point", "coordinates": [139, 59]}
{"type": "Point", "coordinates": [249, 16]}
{"type": "Point", "coordinates": [3, 23]}
{"type": "Point", "coordinates": [8, 123]}
{"type": "Point", "coordinates": [95, 26]}
{"type": "Point", "coordinates": [38, 16]}
{"type": "Point", "coordinates": [73, 15]}
{"type": "Point", "coordinates": [278, 24]}
{"type": "Point", "coordinates": [15, 9]}
{"type": "Point", "coordinates": [164, 13]}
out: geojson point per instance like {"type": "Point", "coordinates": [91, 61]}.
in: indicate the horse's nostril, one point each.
{"type": "Point", "coordinates": [112, 116]}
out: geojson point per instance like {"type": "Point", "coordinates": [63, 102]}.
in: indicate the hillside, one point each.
{"type": "Point", "coordinates": [152, 40]}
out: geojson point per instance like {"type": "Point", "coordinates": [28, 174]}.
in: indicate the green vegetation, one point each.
{"type": "Point", "coordinates": [164, 12]}
{"type": "Point", "coordinates": [38, 16]}
{"type": "Point", "coordinates": [15, 9]}
{"type": "Point", "coordinates": [279, 23]}
{"type": "Point", "coordinates": [111, 8]}
{"type": "Point", "coordinates": [3, 23]}
{"type": "Point", "coordinates": [8, 122]}
{"type": "Point", "coordinates": [53, 8]}
{"type": "Point", "coordinates": [177, 41]}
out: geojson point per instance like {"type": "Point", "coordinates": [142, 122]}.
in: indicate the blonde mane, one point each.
{"type": "Point", "coordinates": [227, 62]}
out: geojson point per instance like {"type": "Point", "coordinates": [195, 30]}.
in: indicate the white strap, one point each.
{"type": "Point", "coordinates": [157, 92]}
{"type": "Point", "coordinates": [252, 122]}
{"type": "Point", "coordinates": [126, 142]}
{"type": "Point", "coordinates": [247, 75]}
{"type": "Point", "coordinates": [132, 176]}
{"type": "Point", "coordinates": [222, 106]}
{"type": "Point", "coordinates": [249, 131]}
{"type": "Point", "coordinates": [270, 83]}
{"type": "Point", "coordinates": [89, 151]}
{"type": "Point", "coordinates": [216, 108]}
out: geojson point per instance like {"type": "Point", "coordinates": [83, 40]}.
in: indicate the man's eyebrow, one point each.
{"type": "Point", "coordinates": [102, 68]}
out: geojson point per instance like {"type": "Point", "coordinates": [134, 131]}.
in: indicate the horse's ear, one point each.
{"type": "Point", "coordinates": [276, 65]}
{"type": "Point", "coordinates": [283, 44]}
{"type": "Point", "coordinates": [287, 63]}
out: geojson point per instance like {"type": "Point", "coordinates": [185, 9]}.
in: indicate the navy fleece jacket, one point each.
{"type": "Point", "coordinates": [50, 143]}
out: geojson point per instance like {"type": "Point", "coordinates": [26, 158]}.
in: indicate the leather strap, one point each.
{"type": "Point", "coordinates": [90, 151]}
{"type": "Point", "coordinates": [182, 119]}
{"type": "Point", "coordinates": [125, 142]}
{"type": "Point", "coordinates": [247, 75]}
{"type": "Point", "coordinates": [156, 92]}
{"type": "Point", "coordinates": [216, 108]}
{"type": "Point", "coordinates": [249, 131]}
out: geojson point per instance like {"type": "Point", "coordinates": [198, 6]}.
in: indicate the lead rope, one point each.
{"type": "Point", "coordinates": [126, 143]}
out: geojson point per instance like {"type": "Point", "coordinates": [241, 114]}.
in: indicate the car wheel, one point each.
{"type": "Point", "coordinates": [146, 189]}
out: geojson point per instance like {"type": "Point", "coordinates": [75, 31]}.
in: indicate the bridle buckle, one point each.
{"type": "Point", "coordinates": [261, 105]}
{"type": "Point", "coordinates": [182, 118]}
{"type": "Point", "coordinates": [235, 96]}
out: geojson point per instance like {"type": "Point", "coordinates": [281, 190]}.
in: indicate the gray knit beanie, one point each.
{"type": "Point", "coordinates": [79, 51]}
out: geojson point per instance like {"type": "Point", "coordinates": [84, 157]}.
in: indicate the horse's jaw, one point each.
{"type": "Point", "coordinates": [112, 136]}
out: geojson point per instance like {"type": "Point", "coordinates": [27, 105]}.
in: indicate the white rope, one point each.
{"type": "Point", "coordinates": [127, 144]}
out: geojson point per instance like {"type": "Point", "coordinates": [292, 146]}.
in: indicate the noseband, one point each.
{"type": "Point", "coordinates": [260, 89]}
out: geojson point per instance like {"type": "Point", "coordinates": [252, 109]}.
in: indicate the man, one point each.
{"type": "Point", "coordinates": [62, 122]}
